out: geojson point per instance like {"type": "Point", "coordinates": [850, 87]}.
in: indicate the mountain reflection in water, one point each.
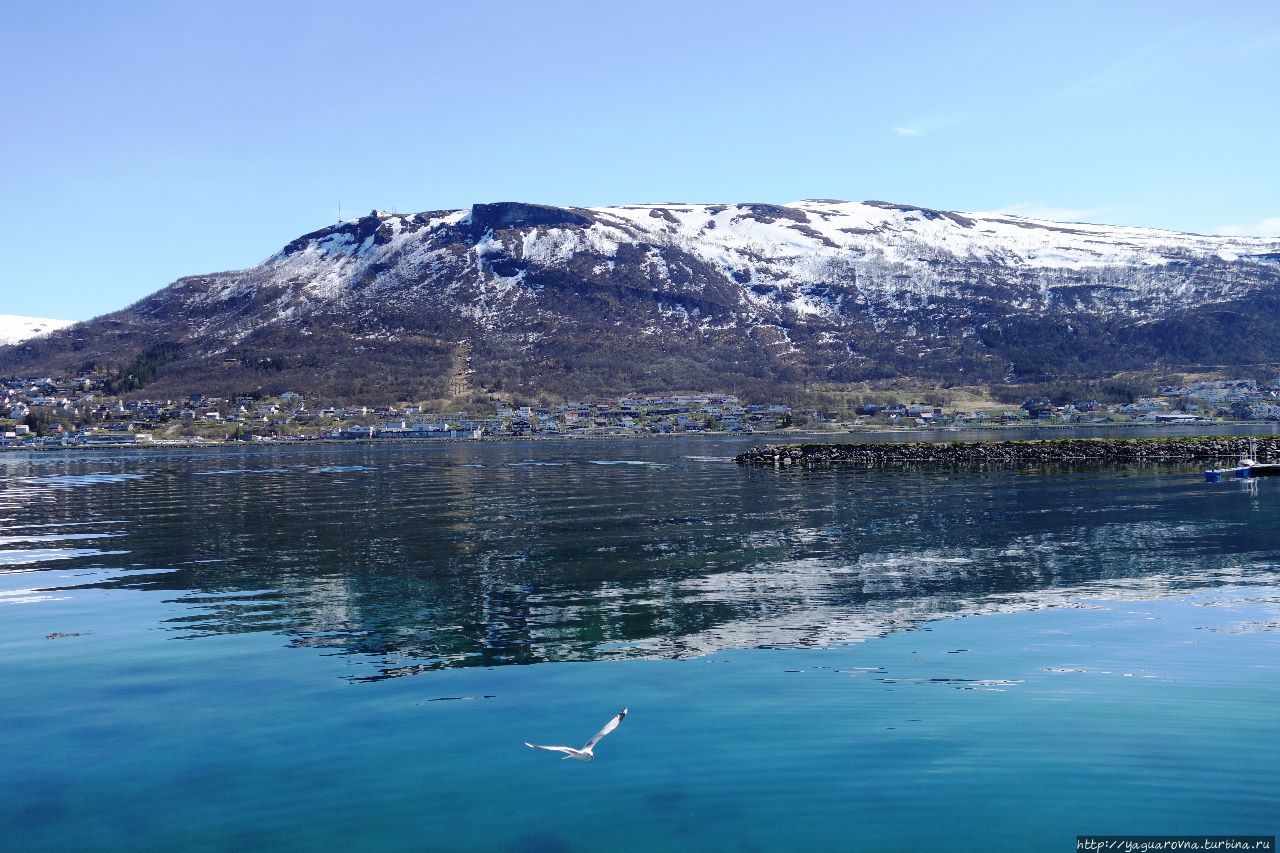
{"type": "Point", "coordinates": [423, 557]}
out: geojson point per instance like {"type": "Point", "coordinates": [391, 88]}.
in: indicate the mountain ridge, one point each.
{"type": "Point", "coordinates": [658, 296]}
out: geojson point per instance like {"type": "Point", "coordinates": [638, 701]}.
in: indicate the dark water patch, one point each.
{"type": "Point", "coordinates": [541, 841]}
{"type": "Point", "coordinates": [26, 558]}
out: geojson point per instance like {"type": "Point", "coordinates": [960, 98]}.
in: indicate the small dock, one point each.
{"type": "Point", "coordinates": [1243, 472]}
{"type": "Point", "coordinates": [1247, 468]}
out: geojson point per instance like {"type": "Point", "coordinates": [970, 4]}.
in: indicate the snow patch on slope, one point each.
{"type": "Point", "coordinates": [15, 329]}
{"type": "Point", "coordinates": [899, 254]}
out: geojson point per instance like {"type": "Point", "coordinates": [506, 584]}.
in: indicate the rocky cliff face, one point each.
{"type": "Point", "coordinates": [649, 297]}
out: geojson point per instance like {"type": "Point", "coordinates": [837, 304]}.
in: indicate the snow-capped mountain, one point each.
{"type": "Point", "coordinates": [14, 328]}
{"type": "Point", "coordinates": [528, 297]}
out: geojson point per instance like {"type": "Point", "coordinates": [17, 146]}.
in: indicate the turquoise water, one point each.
{"type": "Point", "coordinates": [345, 647]}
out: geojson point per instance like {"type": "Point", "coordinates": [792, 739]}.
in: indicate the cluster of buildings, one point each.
{"type": "Point", "coordinates": [1032, 410]}
{"type": "Point", "coordinates": [622, 416]}
{"type": "Point", "coordinates": [77, 411]}
{"type": "Point", "coordinates": [1240, 399]}
{"type": "Point", "coordinates": [1228, 399]}
{"type": "Point", "coordinates": [47, 412]}
{"type": "Point", "coordinates": [1233, 399]}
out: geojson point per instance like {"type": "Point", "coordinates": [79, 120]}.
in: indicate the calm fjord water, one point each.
{"type": "Point", "coordinates": [344, 647]}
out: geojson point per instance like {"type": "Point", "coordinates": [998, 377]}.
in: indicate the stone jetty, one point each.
{"type": "Point", "coordinates": [1037, 452]}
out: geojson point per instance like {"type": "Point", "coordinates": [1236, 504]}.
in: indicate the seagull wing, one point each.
{"type": "Point", "coordinates": [567, 750]}
{"type": "Point", "coordinates": [608, 727]}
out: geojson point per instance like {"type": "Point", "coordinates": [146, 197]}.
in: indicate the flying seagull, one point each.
{"type": "Point", "coordinates": [586, 753]}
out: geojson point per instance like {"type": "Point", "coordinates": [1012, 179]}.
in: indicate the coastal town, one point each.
{"type": "Point", "coordinates": [47, 412]}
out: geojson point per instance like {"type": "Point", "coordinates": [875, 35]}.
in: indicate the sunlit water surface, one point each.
{"type": "Point", "coordinates": [344, 647]}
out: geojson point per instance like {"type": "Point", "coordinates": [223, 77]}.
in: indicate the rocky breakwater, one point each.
{"type": "Point", "coordinates": [1038, 452]}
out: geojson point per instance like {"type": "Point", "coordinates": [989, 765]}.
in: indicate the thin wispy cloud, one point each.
{"type": "Point", "coordinates": [1040, 210]}
{"type": "Point", "coordinates": [1140, 65]}
{"type": "Point", "coordinates": [1269, 227]}
{"type": "Point", "coordinates": [922, 125]}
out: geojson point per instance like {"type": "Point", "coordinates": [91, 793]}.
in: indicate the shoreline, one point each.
{"type": "Point", "coordinates": [993, 429]}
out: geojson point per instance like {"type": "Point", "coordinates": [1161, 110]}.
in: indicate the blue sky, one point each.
{"type": "Point", "coordinates": [145, 141]}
